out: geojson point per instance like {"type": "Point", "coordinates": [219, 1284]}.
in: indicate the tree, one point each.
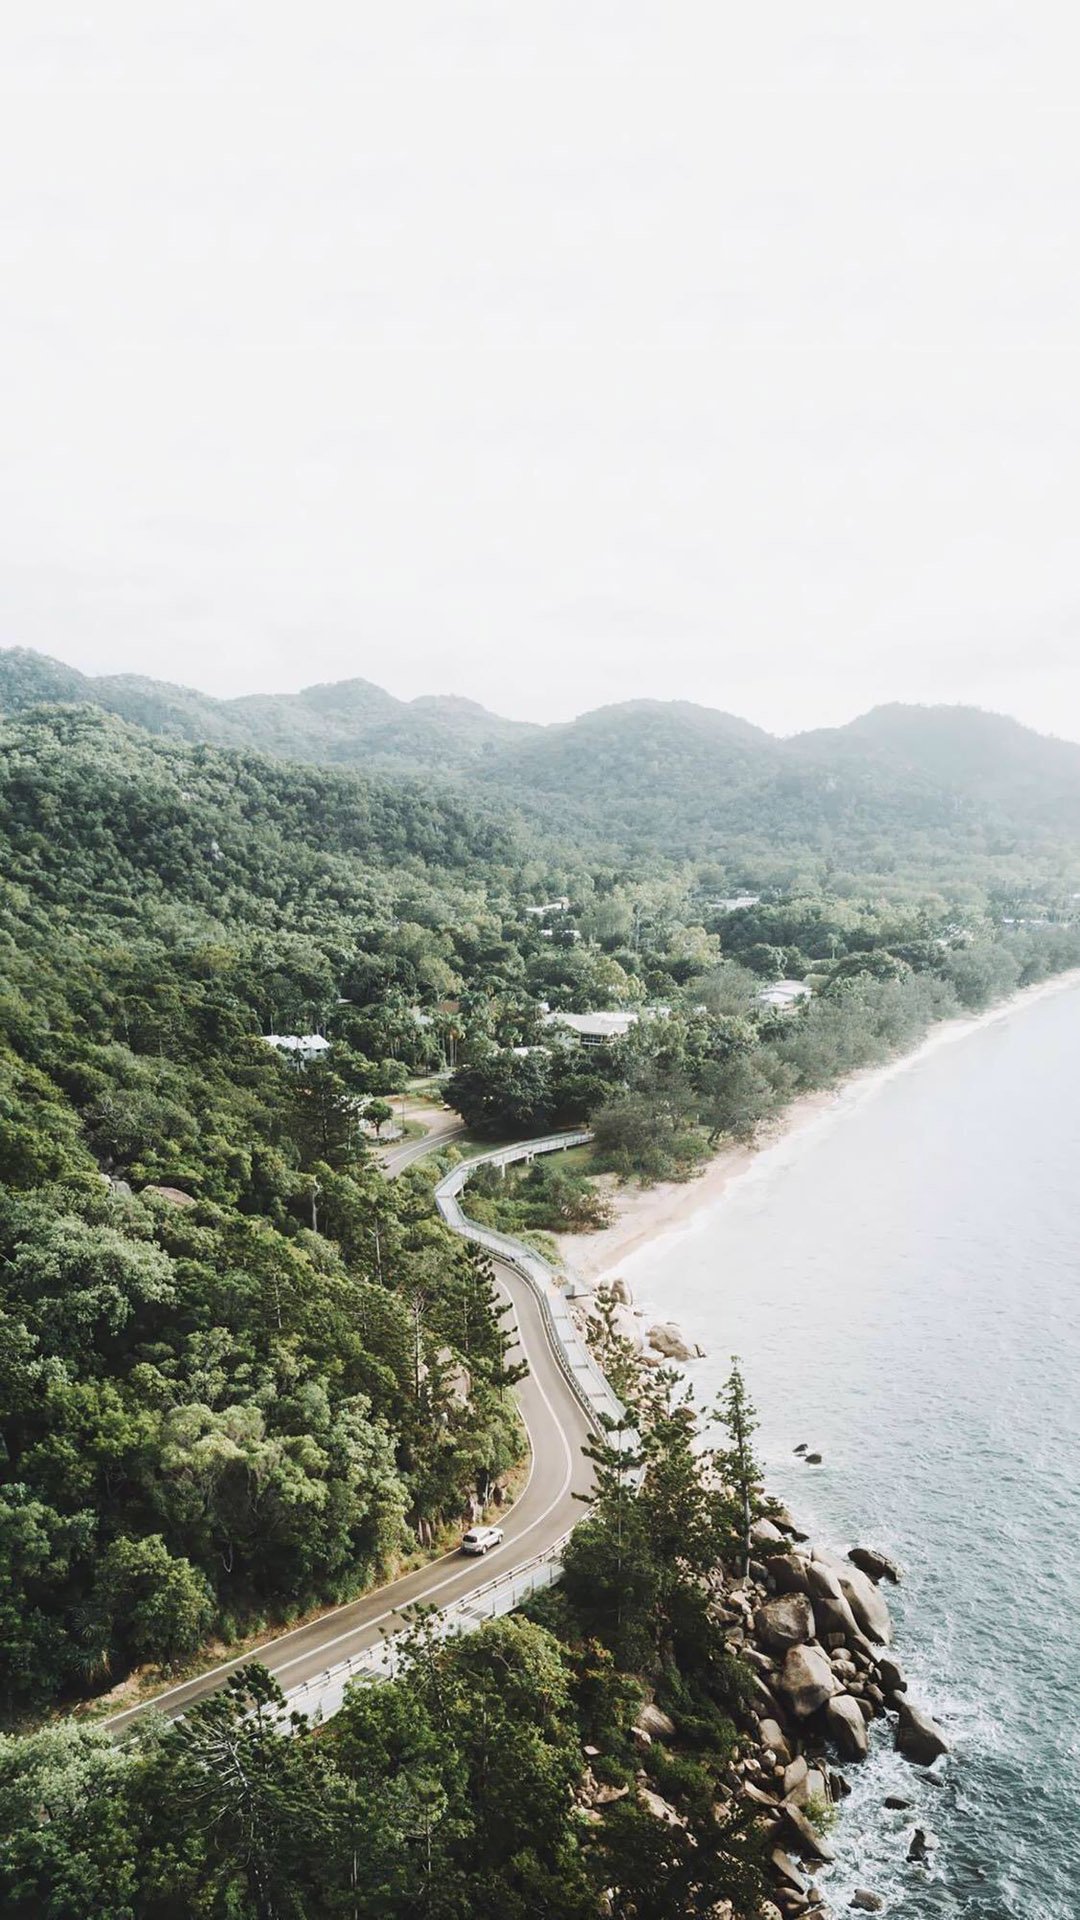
{"type": "Point", "coordinates": [230, 1768]}
{"type": "Point", "coordinates": [149, 1604]}
{"type": "Point", "coordinates": [736, 1465]}
{"type": "Point", "coordinates": [379, 1112]}
{"type": "Point", "coordinates": [504, 1094]}
{"type": "Point", "coordinates": [70, 1844]}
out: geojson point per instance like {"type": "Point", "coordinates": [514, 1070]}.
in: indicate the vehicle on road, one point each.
{"type": "Point", "coordinates": [481, 1539]}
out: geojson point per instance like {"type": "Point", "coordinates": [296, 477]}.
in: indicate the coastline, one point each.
{"type": "Point", "coordinates": [887, 1844]}
{"type": "Point", "coordinates": [645, 1215]}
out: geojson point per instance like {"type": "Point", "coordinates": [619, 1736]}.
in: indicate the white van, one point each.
{"type": "Point", "coordinates": [481, 1539]}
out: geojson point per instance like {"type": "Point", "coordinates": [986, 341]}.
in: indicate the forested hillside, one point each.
{"type": "Point", "coordinates": [243, 1375]}
{"type": "Point", "coordinates": [898, 797]}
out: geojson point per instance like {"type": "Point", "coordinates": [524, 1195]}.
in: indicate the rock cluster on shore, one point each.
{"type": "Point", "coordinates": [814, 1628]}
{"type": "Point", "coordinates": [814, 1631]}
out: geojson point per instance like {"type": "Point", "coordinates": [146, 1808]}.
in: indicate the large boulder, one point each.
{"type": "Point", "coordinates": [173, 1196]}
{"type": "Point", "coordinates": [787, 1571]}
{"type": "Point", "coordinates": [892, 1675]}
{"type": "Point", "coordinates": [660, 1808]}
{"type": "Point", "coordinates": [877, 1565]}
{"type": "Point", "coordinates": [652, 1720]}
{"type": "Point", "coordinates": [802, 1837]}
{"type": "Point", "coordinates": [775, 1741]}
{"type": "Point", "coordinates": [765, 1538]}
{"type": "Point", "coordinates": [866, 1603]}
{"type": "Point", "coordinates": [788, 1524]}
{"type": "Point", "coordinates": [789, 1875]}
{"type": "Point", "coordinates": [918, 1737]}
{"type": "Point", "coordinates": [667, 1340]}
{"type": "Point", "coordinates": [787, 1621]}
{"type": "Point", "coordinates": [845, 1722]}
{"type": "Point", "coordinates": [823, 1584]}
{"type": "Point", "coordinates": [807, 1680]}
{"type": "Point", "coordinates": [834, 1617]}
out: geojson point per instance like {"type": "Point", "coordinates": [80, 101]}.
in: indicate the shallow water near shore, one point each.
{"type": "Point", "coordinates": [902, 1284]}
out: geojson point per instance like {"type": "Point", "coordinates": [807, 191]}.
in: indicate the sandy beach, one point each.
{"type": "Point", "coordinates": [645, 1214]}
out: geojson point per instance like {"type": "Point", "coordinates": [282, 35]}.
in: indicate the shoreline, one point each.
{"type": "Point", "coordinates": [645, 1216]}
{"type": "Point", "coordinates": [789, 1771]}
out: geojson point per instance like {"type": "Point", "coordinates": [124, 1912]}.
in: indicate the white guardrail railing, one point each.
{"type": "Point", "coordinates": [323, 1695]}
{"type": "Point", "coordinates": [577, 1363]}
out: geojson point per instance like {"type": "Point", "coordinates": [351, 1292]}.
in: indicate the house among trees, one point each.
{"type": "Point", "coordinates": [594, 1029]}
{"type": "Point", "coordinates": [302, 1046]}
{"type": "Point", "coordinates": [784, 994]}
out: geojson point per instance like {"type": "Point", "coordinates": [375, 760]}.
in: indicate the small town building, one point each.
{"type": "Point", "coordinates": [302, 1046]}
{"type": "Point", "coordinates": [784, 994]}
{"type": "Point", "coordinates": [594, 1029]}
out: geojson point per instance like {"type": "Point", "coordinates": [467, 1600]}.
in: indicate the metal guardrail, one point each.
{"type": "Point", "coordinates": [592, 1391]}
{"type": "Point", "coordinates": [322, 1696]}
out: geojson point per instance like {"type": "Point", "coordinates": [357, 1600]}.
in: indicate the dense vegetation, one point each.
{"type": "Point", "coordinates": [232, 1353]}
{"type": "Point", "coordinates": [225, 1341]}
{"type": "Point", "coordinates": [459, 1790]}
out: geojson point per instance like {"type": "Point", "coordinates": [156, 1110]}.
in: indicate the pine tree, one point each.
{"type": "Point", "coordinates": [736, 1466]}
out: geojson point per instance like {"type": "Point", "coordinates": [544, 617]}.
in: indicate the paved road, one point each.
{"type": "Point", "coordinates": [545, 1510]}
{"type": "Point", "coordinates": [442, 1127]}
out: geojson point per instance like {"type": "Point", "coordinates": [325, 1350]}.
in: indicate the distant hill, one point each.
{"type": "Point", "coordinates": [988, 758]}
{"type": "Point", "coordinates": [349, 723]}
{"type": "Point", "coordinates": [901, 791]}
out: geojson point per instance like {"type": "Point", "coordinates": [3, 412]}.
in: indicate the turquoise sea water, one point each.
{"type": "Point", "coordinates": [902, 1284]}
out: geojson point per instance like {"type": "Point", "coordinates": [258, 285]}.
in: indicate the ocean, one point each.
{"type": "Point", "coordinates": [901, 1281]}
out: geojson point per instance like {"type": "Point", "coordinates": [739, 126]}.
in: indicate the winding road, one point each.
{"type": "Point", "coordinates": [545, 1510]}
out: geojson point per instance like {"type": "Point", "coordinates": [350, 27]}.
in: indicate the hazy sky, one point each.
{"type": "Point", "coordinates": [552, 352]}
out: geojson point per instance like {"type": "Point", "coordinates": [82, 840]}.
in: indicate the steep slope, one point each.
{"type": "Point", "coordinates": [96, 811]}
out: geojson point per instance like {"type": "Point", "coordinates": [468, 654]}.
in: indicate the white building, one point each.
{"type": "Point", "coordinates": [302, 1046]}
{"type": "Point", "coordinates": [734, 904]}
{"type": "Point", "coordinates": [594, 1029]}
{"type": "Point", "coordinates": [562, 905]}
{"type": "Point", "coordinates": [784, 994]}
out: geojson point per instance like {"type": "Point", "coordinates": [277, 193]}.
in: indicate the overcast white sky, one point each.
{"type": "Point", "coordinates": [551, 352]}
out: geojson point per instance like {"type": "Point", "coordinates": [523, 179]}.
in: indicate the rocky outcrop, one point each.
{"type": "Point", "coordinates": [918, 1737]}
{"type": "Point", "coordinates": [806, 1680]}
{"type": "Point", "coordinates": [877, 1565]}
{"type": "Point", "coordinates": [787, 1621]}
{"type": "Point", "coordinates": [813, 1628]}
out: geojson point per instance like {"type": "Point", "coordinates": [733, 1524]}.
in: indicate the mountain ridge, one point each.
{"type": "Point", "coordinates": [642, 775]}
